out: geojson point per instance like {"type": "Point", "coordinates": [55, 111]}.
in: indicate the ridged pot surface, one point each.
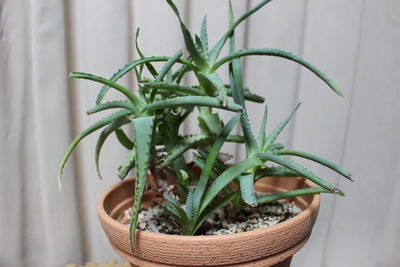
{"type": "Point", "coordinates": [262, 247]}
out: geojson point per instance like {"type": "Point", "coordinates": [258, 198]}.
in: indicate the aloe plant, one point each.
{"type": "Point", "coordinates": [156, 113]}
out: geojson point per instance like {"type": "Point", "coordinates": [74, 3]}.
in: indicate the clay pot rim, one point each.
{"type": "Point", "coordinates": [301, 216]}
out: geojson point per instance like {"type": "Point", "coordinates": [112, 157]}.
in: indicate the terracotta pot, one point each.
{"type": "Point", "coordinates": [270, 246]}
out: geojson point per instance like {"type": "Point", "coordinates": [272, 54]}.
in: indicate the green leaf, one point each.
{"type": "Point", "coordinates": [127, 68]}
{"type": "Point", "coordinates": [148, 65]}
{"type": "Point", "coordinates": [182, 147]}
{"type": "Point", "coordinates": [143, 128]}
{"type": "Point", "coordinates": [114, 125]}
{"type": "Point", "coordinates": [275, 133]}
{"type": "Point", "coordinates": [99, 124]}
{"type": "Point", "coordinates": [189, 205]}
{"type": "Point", "coordinates": [226, 177]}
{"type": "Point", "coordinates": [220, 44]}
{"type": "Point", "coordinates": [191, 100]}
{"type": "Point", "coordinates": [213, 207]}
{"type": "Point", "coordinates": [317, 159]}
{"type": "Point", "coordinates": [190, 45]}
{"type": "Point", "coordinates": [137, 101]}
{"type": "Point", "coordinates": [261, 132]}
{"type": "Point", "coordinates": [264, 199]}
{"type": "Point", "coordinates": [277, 53]}
{"type": "Point", "coordinates": [113, 104]}
{"type": "Point", "coordinates": [212, 157]}
{"type": "Point", "coordinates": [275, 171]}
{"type": "Point", "coordinates": [203, 34]}
{"type": "Point", "coordinates": [295, 167]}
{"type": "Point", "coordinates": [247, 188]}
{"type": "Point", "coordinates": [128, 165]}
{"type": "Point", "coordinates": [212, 121]}
{"type": "Point", "coordinates": [168, 65]}
{"type": "Point", "coordinates": [217, 83]}
{"type": "Point", "coordinates": [124, 139]}
{"type": "Point", "coordinates": [249, 96]}
{"type": "Point", "coordinates": [173, 87]}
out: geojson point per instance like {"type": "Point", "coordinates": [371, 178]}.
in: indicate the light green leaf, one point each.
{"type": "Point", "coordinates": [261, 132]}
{"type": "Point", "coordinates": [317, 159]}
{"type": "Point", "coordinates": [99, 124]}
{"type": "Point", "coordinates": [113, 104]}
{"type": "Point", "coordinates": [247, 188]}
{"type": "Point", "coordinates": [143, 128]}
{"type": "Point", "coordinates": [275, 133]}
{"type": "Point", "coordinates": [264, 199]}
{"type": "Point", "coordinates": [212, 157]}
{"type": "Point", "coordinates": [277, 53]}
{"type": "Point", "coordinates": [124, 139]}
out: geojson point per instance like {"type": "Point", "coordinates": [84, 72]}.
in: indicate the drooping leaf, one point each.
{"type": "Point", "coordinates": [191, 100]}
{"type": "Point", "coordinates": [137, 101]}
{"type": "Point", "coordinates": [113, 104]}
{"type": "Point", "coordinates": [277, 53]}
{"type": "Point", "coordinates": [127, 68]}
{"type": "Point", "coordinates": [173, 87]}
{"type": "Point", "coordinates": [264, 199]}
{"type": "Point", "coordinates": [99, 124]}
{"type": "Point", "coordinates": [264, 156]}
{"type": "Point", "coordinates": [114, 125]}
{"type": "Point", "coordinates": [317, 159]}
{"type": "Point", "coordinates": [124, 139]}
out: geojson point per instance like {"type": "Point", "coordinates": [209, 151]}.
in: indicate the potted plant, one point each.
{"type": "Point", "coordinates": [193, 191]}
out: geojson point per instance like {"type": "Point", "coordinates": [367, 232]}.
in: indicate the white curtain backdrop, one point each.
{"type": "Point", "coordinates": [355, 42]}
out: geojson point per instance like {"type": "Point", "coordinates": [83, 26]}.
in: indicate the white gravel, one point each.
{"type": "Point", "coordinates": [156, 220]}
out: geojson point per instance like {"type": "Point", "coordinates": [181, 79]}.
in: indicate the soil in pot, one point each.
{"type": "Point", "coordinates": [155, 219]}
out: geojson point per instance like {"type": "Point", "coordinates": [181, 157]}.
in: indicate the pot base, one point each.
{"type": "Point", "coordinates": [271, 261]}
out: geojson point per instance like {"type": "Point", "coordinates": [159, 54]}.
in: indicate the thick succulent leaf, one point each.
{"type": "Point", "coordinates": [317, 159]}
{"type": "Point", "coordinates": [182, 147]}
{"type": "Point", "coordinates": [213, 207]}
{"type": "Point", "coordinates": [217, 83]}
{"type": "Point", "coordinates": [275, 133]}
{"type": "Point", "coordinates": [261, 132]}
{"type": "Point", "coordinates": [148, 65]}
{"type": "Point", "coordinates": [212, 157]}
{"type": "Point", "coordinates": [113, 104]}
{"type": "Point", "coordinates": [221, 42]}
{"type": "Point", "coordinates": [277, 53]}
{"type": "Point", "coordinates": [189, 205]}
{"type": "Point", "coordinates": [275, 171]}
{"type": "Point", "coordinates": [247, 188]}
{"type": "Point", "coordinates": [250, 97]}
{"type": "Point", "coordinates": [206, 101]}
{"type": "Point", "coordinates": [99, 124]}
{"type": "Point", "coordinates": [203, 34]}
{"type": "Point", "coordinates": [124, 139]}
{"type": "Point", "coordinates": [225, 178]}
{"type": "Point", "coordinates": [212, 122]}
{"type": "Point", "coordinates": [114, 125]}
{"type": "Point", "coordinates": [264, 199]}
{"type": "Point", "coordinates": [137, 101]}
{"type": "Point", "coordinates": [143, 128]}
{"type": "Point", "coordinates": [127, 68]}
{"type": "Point", "coordinates": [128, 164]}
{"type": "Point", "coordinates": [190, 45]}
{"type": "Point", "coordinates": [297, 168]}
{"type": "Point", "coordinates": [168, 65]}
{"type": "Point", "coordinates": [173, 87]}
